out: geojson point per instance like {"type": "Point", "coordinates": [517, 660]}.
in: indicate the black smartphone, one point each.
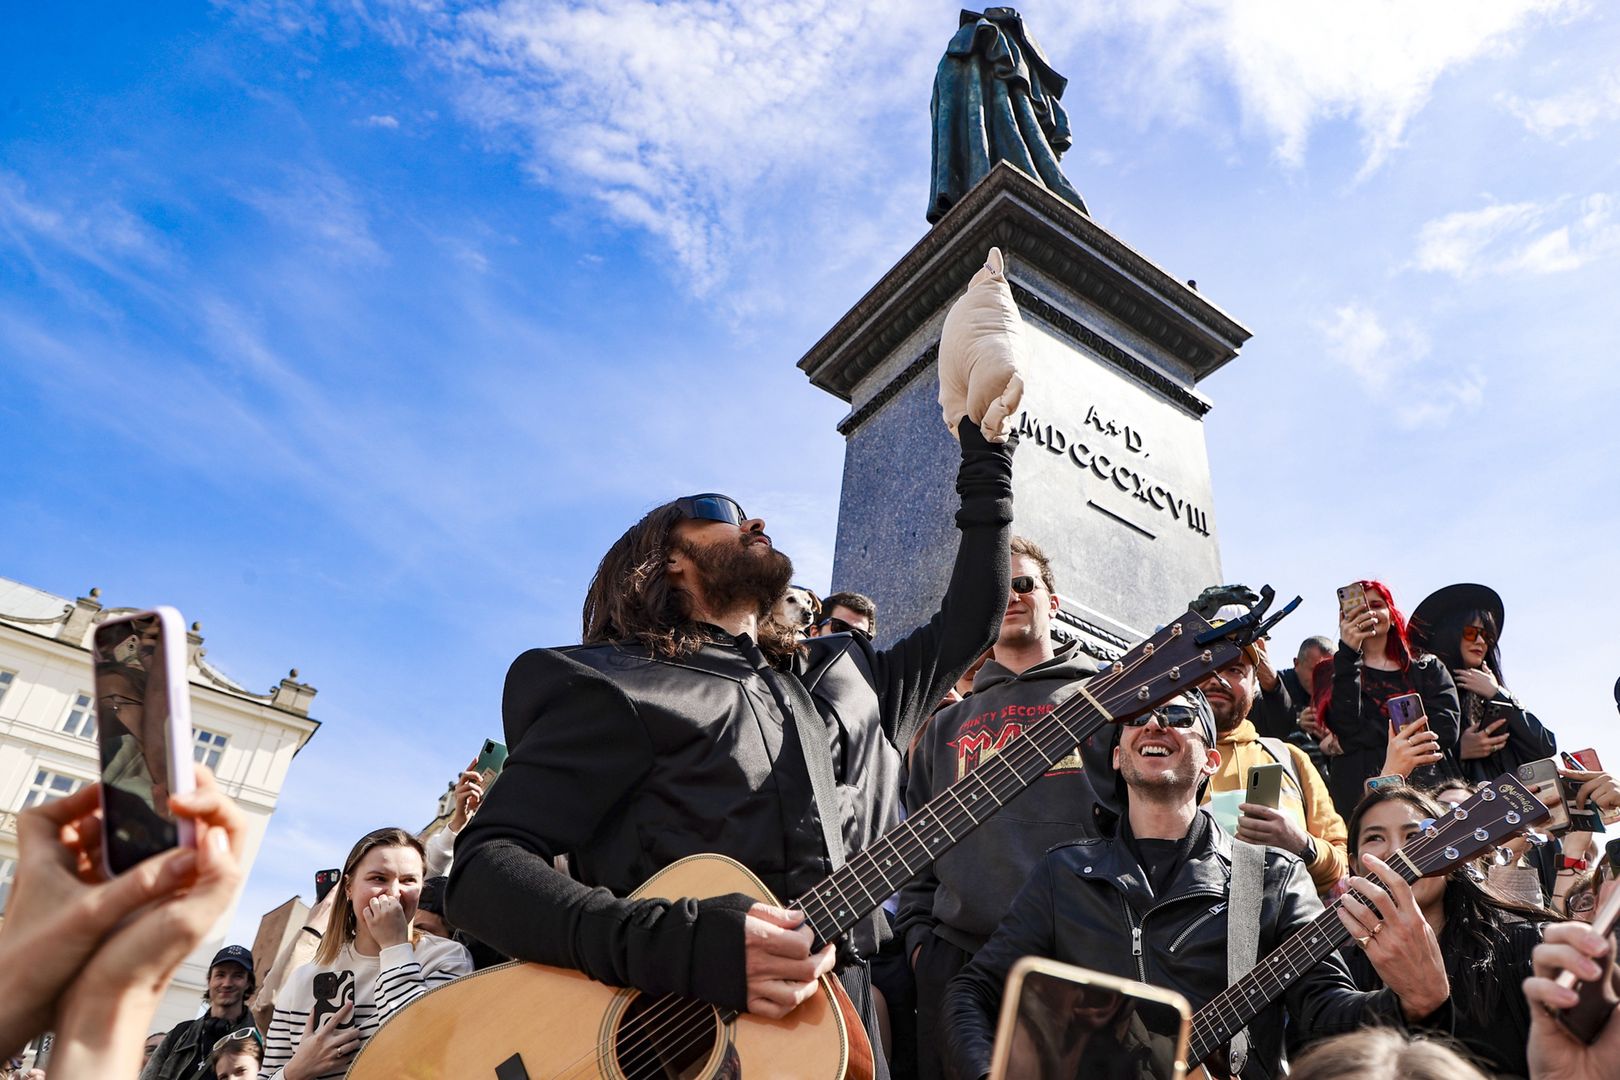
{"type": "Point", "coordinates": [143, 734]}
{"type": "Point", "coordinates": [324, 880]}
{"type": "Point", "coordinates": [332, 990]}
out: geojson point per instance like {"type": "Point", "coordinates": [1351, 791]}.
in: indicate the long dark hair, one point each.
{"type": "Point", "coordinates": [1477, 916]}
{"type": "Point", "coordinates": [631, 599]}
{"type": "Point", "coordinates": [1446, 640]}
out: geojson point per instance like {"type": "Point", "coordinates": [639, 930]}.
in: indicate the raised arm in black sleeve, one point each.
{"type": "Point", "coordinates": [914, 672]}
{"type": "Point", "coordinates": [577, 747]}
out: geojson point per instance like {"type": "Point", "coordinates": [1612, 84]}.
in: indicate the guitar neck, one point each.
{"type": "Point", "coordinates": [858, 888]}
{"type": "Point", "coordinates": [1228, 1012]}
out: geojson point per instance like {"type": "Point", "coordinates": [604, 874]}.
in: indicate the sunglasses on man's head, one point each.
{"type": "Point", "coordinates": [711, 507]}
{"type": "Point", "coordinates": [1180, 717]}
{"type": "Point", "coordinates": [1024, 584]}
{"type": "Point", "coordinates": [241, 1033]}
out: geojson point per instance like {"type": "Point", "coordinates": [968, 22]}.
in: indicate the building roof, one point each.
{"type": "Point", "coordinates": [46, 614]}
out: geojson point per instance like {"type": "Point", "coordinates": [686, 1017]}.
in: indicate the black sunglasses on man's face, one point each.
{"type": "Point", "coordinates": [834, 625]}
{"type": "Point", "coordinates": [711, 506]}
{"type": "Point", "coordinates": [1180, 717]}
{"type": "Point", "coordinates": [1023, 584]}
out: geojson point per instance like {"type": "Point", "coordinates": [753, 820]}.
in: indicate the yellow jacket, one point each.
{"type": "Point", "coordinates": [1311, 808]}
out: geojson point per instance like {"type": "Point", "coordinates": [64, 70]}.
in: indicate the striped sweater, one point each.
{"type": "Point", "coordinates": [381, 986]}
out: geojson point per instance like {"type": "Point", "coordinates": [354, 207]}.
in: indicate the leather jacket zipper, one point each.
{"type": "Point", "coordinates": [1196, 923]}
{"type": "Point", "coordinates": [1136, 939]}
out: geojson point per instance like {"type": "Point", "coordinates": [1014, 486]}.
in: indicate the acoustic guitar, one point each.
{"type": "Point", "coordinates": [523, 1021]}
{"type": "Point", "coordinates": [1502, 809]}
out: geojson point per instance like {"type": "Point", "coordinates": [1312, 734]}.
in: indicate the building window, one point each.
{"type": "Point", "coordinates": [6, 679]}
{"type": "Point", "coordinates": [50, 785]}
{"type": "Point", "coordinates": [8, 870]}
{"type": "Point", "coordinates": [208, 748]}
{"type": "Point", "coordinates": [81, 717]}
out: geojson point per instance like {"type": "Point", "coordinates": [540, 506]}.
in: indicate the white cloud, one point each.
{"type": "Point", "coordinates": [1525, 237]}
{"type": "Point", "coordinates": [320, 206]}
{"type": "Point", "coordinates": [1395, 367]}
{"type": "Point", "coordinates": [1575, 114]}
{"type": "Point", "coordinates": [383, 121]}
{"type": "Point", "coordinates": [1295, 64]}
{"type": "Point", "coordinates": [682, 119]}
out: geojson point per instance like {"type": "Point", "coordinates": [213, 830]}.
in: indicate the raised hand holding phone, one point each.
{"type": "Point", "coordinates": [1411, 747]}
{"type": "Point", "coordinates": [143, 705]}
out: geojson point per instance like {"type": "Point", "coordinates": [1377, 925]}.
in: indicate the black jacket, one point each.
{"type": "Point", "coordinates": [1087, 904]}
{"type": "Point", "coordinates": [185, 1049]}
{"type": "Point", "coordinates": [1358, 714]}
{"type": "Point", "coordinates": [1528, 739]}
{"type": "Point", "coordinates": [627, 761]}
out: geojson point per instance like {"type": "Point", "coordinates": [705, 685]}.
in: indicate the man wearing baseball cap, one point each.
{"type": "Point", "coordinates": [183, 1054]}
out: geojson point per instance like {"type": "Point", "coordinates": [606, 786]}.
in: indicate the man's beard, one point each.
{"type": "Point", "coordinates": [733, 575]}
{"type": "Point", "coordinates": [1183, 778]}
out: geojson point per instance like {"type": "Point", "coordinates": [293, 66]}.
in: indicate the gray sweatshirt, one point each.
{"type": "Point", "coordinates": [970, 887]}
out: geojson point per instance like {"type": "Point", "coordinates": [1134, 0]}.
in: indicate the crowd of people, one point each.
{"type": "Point", "coordinates": [714, 707]}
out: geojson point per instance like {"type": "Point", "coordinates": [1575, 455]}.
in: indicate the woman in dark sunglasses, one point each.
{"type": "Point", "coordinates": [1462, 625]}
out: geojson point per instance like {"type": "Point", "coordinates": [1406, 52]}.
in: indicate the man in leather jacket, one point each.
{"type": "Point", "coordinates": [1150, 903]}
{"type": "Point", "coordinates": [671, 732]}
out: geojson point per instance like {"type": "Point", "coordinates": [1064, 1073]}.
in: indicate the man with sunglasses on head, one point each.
{"type": "Point", "coordinates": [947, 914]}
{"type": "Point", "coordinates": [184, 1052]}
{"type": "Point", "coordinates": [1149, 902]}
{"type": "Point", "coordinates": [675, 729]}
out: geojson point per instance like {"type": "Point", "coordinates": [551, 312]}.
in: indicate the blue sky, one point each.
{"type": "Point", "coordinates": [358, 331]}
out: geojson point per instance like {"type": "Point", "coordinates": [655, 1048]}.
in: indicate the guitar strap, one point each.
{"type": "Point", "coordinates": [1243, 928]}
{"type": "Point", "coordinates": [800, 711]}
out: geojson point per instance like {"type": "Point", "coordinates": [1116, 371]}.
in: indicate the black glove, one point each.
{"type": "Point", "coordinates": [1216, 597]}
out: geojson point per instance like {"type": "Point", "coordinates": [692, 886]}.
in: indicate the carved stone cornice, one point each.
{"type": "Point", "coordinates": [1133, 366]}
{"type": "Point", "coordinates": [1034, 228]}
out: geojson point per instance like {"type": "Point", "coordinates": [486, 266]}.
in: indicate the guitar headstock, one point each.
{"type": "Point", "coordinates": [1499, 810]}
{"type": "Point", "coordinates": [1178, 657]}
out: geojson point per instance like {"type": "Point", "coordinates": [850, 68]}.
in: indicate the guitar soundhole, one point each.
{"type": "Point", "coordinates": [665, 1038]}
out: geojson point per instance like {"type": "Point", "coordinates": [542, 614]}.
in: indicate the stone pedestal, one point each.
{"type": "Point", "coordinates": [1112, 477]}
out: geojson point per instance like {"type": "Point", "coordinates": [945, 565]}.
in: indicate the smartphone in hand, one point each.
{"type": "Point", "coordinates": [1597, 999]}
{"type": "Point", "coordinates": [491, 760]}
{"type": "Point", "coordinates": [1265, 785]}
{"type": "Point", "coordinates": [324, 881]}
{"type": "Point", "coordinates": [1352, 598]}
{"type": "Point", "coordinates": [1404, 709]}
{"type": "Point", "coordinates": [143, 733]}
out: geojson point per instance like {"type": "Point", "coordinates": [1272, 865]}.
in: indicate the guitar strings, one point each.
{"type": "Point", "coordinates": [1209, 1022]}
{"type": "Point", "coordinates": [642, 1033]}
{"type": "Point", "coordinates": [674, 1011]}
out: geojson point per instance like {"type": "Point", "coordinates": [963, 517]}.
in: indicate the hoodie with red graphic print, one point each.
{"type": "Point", "coordinates": [970, 887]}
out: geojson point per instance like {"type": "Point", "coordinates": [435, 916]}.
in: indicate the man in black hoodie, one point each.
{"type": "Point", "coordinates": [948, 913]}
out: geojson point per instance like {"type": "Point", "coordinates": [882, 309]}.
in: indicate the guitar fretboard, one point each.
{"type": "Point", "coordinates": [861, 885]}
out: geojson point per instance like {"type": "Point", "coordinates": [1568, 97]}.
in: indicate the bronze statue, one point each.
{"type": "Point", "coordinates": [996, 99]}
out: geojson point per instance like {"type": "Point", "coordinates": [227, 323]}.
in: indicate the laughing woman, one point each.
{"type": "Point", "coordinates": [372, 963]}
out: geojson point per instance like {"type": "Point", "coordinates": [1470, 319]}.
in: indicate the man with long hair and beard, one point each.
{"type": "Point", "coordinates": [670, 731]}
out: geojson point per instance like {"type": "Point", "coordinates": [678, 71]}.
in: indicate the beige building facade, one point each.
{"type": "Point", "coordinates": [48, 743]}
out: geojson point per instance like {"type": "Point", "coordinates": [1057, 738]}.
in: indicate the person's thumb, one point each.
{"type": "Point", "coordinates": [150, 880]}
{"type": "Point", "coordinates": [783, 917]}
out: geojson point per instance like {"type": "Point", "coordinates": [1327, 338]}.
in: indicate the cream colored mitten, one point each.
{"type": "Point", "coordinates": [982, 355]}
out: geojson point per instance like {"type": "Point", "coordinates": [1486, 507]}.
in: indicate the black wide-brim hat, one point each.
{"type": "Point", "coordinates": [1464, 596]}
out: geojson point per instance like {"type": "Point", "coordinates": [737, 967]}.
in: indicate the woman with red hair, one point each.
{"type": "Point", "coordinates": [1376, 662]}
